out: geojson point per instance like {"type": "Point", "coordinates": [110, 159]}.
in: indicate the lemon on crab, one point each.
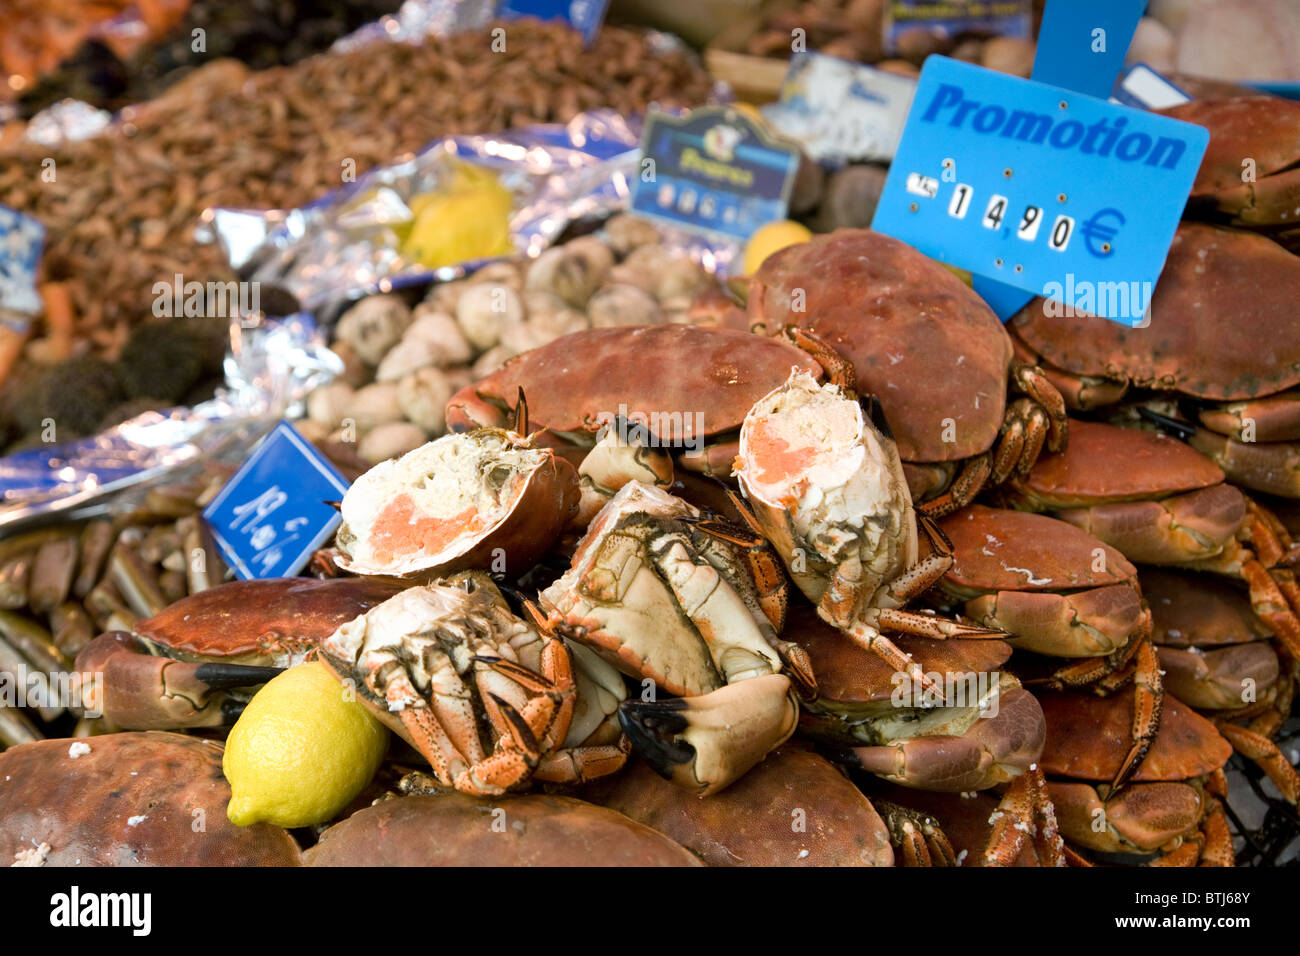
{"type": "Point", "coordinates": [770, 238]}
{"type": "Point", "coordinates": [301, 751]}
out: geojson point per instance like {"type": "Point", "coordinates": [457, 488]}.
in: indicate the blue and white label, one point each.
{"type": "Point", "coordinates": [840, 111]}
{"type": "Point", "coordinates": [585, 16]}
{"type": "Point", "coordinates": [1049, 191]}
{"type": "Point", "coordinates": [713, 171]}
{"type": "Point", "coordinates": [21, 240]}
{"type": "Point", "coordinates": [274, 512]}
{"type": "Point", "coordinates": [1146, 89]}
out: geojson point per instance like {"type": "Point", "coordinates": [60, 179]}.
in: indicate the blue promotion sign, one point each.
{"type": "Point", "coordinates": [1080, 47]}
{"type": "Point", "coordinates": [274, 512]}
{"type": "Point", "coordinates": [585, 16]}
{"type": "Point", "coordinates": [21, 240]}
{"type": "Point", "coordinates": [1052, 192]}
{"type": "Point", "coordinates": [713, 171]}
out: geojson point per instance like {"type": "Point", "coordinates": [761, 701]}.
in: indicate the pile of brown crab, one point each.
{"type": "Point", "coordinates": [856, 563]}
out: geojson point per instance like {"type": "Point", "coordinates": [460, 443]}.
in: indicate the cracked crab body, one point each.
{"type": "Point", "coordinates": [663, 600]}
{"type": "Point", "coordinates": [483, 696]}
{"type": "Point", "coordinates": [463, 501]}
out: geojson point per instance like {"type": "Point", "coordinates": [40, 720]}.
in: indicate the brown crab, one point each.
{"type": "Point", "coordinates": [1158, 501]}
{"type": "Point", "coordinates": [457, 830]}
{"type": "Point", "coordinates": [1058, 591]}
{"type": "Point", "coordinates": [793, 809]}
{"type": "Point", "coordinates": [1216, 656]}
{"type": "Point", "coordinates": [988, 732]}
{"type": "Point", "coordinates": [928, 347]}
{"type": "Point", "coordinates": [484, 697]}
{"type": "Point", "coordinates": [1251, 169]}
{"type": "Point", "coordinates": [669, 602]}
{"type": "Point", "coordinates": [1169, 814]}
{"type": "Point", "coordinates": [130, 799]}
{"type": "Point", "coordinates": [685, 386]}
{"type": "Point", "coordinates": [176, 668]}
{"type": "Point", "coordinates": [826, 488]}
{"type": "Point", "coordinates": [1222, 333]}
{"type": "Point", "coordinates": [488, 497]}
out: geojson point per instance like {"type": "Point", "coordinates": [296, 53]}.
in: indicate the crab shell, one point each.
{"type": "Point", "coordinates": [576, 384]}
{"type": "Point", "coordinates": [919, 338]}
{"type": "Point", "coordinates": [841, 828]}
{"type": "Point", "coordinates": [1211, 642]}
{"type": "Point", "coordinates": [1222, 323]}
{"type": "Point", "coordinates": [272, 623]}
{"type": "Point", "coordinates": [542, 505]}
{"type": "Point", "coordinates": [455, 830]}
{"type": "Point", "coordinates": [850, 678]}
{"type": "Point", "coordinates": [1015, 567]}
{"type": "Point", "coordinates": [1264, 128]}
{"type": "Point", "coordinates": [130, 799]}
{"type": "Point", "coordinates": [1089, 737]}
{"type": "Point", "coordinates": [1189, 609]}
{"type": "Point", "coordinates": [946, 748]}
{"type": "Point", "coordinates": [1152, 497]}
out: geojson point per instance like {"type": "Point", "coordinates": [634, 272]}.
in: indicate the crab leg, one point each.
{"type": "Point", "coordinates": [581, 764]}
{"type": "Point", "coordinates": [764, 566]}
{"type": "Point", "coordinates": [715, 610]}
{"type": "Point", "coordinates": [1025, 809]}
{"type": "Point", "coordinates": [512, 762]}
{"type": "Point", "coordinates": [932, 626]}
{"type": "Point", "coordinates": [970, 481]}
{"type": "Point", "coordinates": [1257, 747]}
{"type": "Point", "coordinates": [917, 836]}
{"type": "Point", "coordinates": [1148, 700]}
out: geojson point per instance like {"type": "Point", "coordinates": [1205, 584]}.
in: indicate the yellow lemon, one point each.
{"type": "Point", "coordinates": [467, 218]}
{"type": "Point", "coordinates": [771, 238]}
{"type": "Point", "coordinates": [301, 751]}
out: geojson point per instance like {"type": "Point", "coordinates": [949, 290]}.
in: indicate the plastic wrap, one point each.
{"type": "Point", "coordinates": [271, 367]}
{"type": "Point", "coordinates": [343, 246]}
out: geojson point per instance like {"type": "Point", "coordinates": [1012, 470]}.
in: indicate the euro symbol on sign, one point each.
{"type": "Point", "coordinates": [1094, 229]}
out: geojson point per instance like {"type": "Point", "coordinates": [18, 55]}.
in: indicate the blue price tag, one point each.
{"type": "Point", "coordinates": [21, 240]}
{"type": "Point", "coordinates": [1049, 191]}
{"type": "Point", "coordinates": [272, 514]}
{"type": "Point", "coordinates": [585, 16]}
{"type": "Point", "coordinates": [1081, 46]}
{"type": "Point", "coordinates": [713, 171]}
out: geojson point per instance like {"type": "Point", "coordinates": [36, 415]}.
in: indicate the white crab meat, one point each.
{"type": "Point", "coordinates": [825, 483]}
{"type": "Point", "coordinates": [434, 503]}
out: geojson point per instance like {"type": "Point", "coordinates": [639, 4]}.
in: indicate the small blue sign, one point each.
{"type": "Point", "coordinates": [1053, 192]}
{"type": "Point", "coordinates": [1008, 18]}
{"type": "Point", "coordinates": [585, 16]}
{"type": "Point", "coordinates": [713, 171]}
{"type": "Point", "coordinates": [1081, 46]}
{"type": "Point", "coordinates": [273, 513]}
{"type": "Point", "coordinates": [21, 240]}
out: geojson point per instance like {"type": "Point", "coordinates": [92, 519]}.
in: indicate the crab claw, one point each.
{"type": "Point", "coordinates": [996, 749]}
{"type": "Point", "coordinates": [704, 743]}
{"type": "Point", "coordinates": [136, 690]}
